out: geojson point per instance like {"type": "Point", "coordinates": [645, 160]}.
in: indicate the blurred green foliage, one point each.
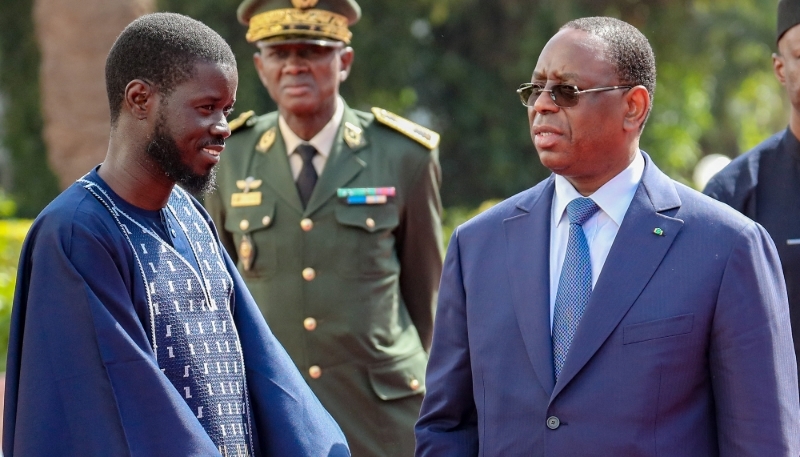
{"type": "Point", "coordinates": [33, 184]}
{"type": "Point", "coordinates": [7, 206]}
{"type": "Point", "coordinates": [453, 65]}
{"type": "Point", "coordinates": [12, 234]}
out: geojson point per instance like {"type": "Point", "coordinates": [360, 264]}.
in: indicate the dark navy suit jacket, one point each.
{"type": "Point", "coordinates": [684, 349]}
{"type": "Point", "coordinates": [764, 185]}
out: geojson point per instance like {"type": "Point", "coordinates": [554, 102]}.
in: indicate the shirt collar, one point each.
{"type": "Point", "coordinates": [614, 197]}
{"type": "Point", "coordinates": [322, 141]}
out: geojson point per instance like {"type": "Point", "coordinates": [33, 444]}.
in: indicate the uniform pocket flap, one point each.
{"type": "Point", "coordinates": [251, 218]}
{"type": "Point", "coordinates": [661, 328]}
{"type": "Point", "coordinates": [368, 217]}
{"type": "Point", "coordinates": [399, 378]}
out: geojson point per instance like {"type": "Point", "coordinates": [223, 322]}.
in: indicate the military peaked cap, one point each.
{"type": "Point", "coordinates": [299, 21]}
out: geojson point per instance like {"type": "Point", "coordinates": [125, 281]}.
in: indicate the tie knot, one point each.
{"type": "Point", "coordinates": [307, 152]}
{"type": "Point", "coordinates": [581, 209]}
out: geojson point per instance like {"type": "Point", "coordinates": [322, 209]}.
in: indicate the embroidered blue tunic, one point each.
{"type": "Point", "coordinates": [191, 326]}
{"type": "Point", "coordinates": [133, 334]}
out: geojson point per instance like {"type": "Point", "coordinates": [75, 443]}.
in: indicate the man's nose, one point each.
{"type": "Point", "coordinates": [295, 63]}
{"type": "Point", "coordinates": [221, 127]}
{"type": "Point", "coordinates": [544, 103]}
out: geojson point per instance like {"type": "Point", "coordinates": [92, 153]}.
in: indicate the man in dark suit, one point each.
{"type": "Point", "coordinates": [333, 215]}
{"type": "Point", "coordinates": [764, 183]}
{"type": "Point", "coordinates": [644, 320]}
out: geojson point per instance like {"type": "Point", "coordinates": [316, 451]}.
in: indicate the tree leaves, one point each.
{"type": "Point", "coordinates": [453, 65]}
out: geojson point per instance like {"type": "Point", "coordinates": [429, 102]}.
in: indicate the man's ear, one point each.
{"type": "Point", "coordinates": [346, 57]}
{"type": "Point", "coordinates": [139, 98]}
{"type": "Point", "coordinates": [777, 67]}
{"type": "Point", "coordinates": [638, 105]}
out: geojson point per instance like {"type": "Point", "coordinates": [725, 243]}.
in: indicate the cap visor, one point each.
{"type": "Point", "coordinates": [310, 41]}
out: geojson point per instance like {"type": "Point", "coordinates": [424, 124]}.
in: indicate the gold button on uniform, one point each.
{"type": "Point", "coordinates": [244, 224]}
{"type": "Point", "coordinates": [310, 324]}
{"type": "Point", "coordinates": [306, 224]}
{"type": "Point", "coordinates": [315, 372]}
{"type": "Point", "coordinates": [309, 274]}
{"type": "Point", "coordinates": [370, 222]}
{"type": "Point", "coordinates": [414, 384]}
{"type": "Point", "coordinates": [266, 220]}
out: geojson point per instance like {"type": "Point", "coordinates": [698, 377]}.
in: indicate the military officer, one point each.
{"type": "Point", "coordinates": [333, 216]}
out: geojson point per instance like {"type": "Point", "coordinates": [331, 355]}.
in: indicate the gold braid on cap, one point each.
{"type": "Point", "coordinates": [290, 21]}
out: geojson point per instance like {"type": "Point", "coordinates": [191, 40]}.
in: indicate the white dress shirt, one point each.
{"type": "Point", "coordinates": [322, 141]}
{"type": "Point", "coordinates": [613, 198]}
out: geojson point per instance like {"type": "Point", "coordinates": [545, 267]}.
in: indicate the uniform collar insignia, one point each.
{"type": "Point", "coordinates": [353, 135]}
{"type": "Point", "coordinates": [266, 140]}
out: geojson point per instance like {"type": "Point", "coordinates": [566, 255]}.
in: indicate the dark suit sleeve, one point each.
{"type": "Point", "coordinates": [448, 423]}
{"type": "Point", "coordinates": [735, 185]}
{"type": "Point", "coordinates": [751, 356]}
{"type": "Point", "coordinates": [419, 245]}
{"type": "Point", "coordinates": [216, 209]}
{"type": "Point", "coordinates": [719, 188]}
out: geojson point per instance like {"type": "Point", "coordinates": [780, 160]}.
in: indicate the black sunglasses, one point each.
{"type": "Point", "coordinates": [563, 95]}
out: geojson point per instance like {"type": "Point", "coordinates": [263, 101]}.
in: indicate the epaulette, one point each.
{"type": "Point", "coordinates": [416, 132]}
{"type": "Point", "coordinates": [241, 120]}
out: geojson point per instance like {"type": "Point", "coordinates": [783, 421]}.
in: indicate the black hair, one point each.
{"type": "Point", "coordinates": [628, 50]}
{"type": "Point", "coordinates": [161, 49]}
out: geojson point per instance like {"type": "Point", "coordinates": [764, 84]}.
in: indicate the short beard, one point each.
{"type": "Point", "coordinates": [165, 153]}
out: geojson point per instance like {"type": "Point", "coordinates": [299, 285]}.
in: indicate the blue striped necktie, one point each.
{"type": "Point", "coordinates": [575, 283]}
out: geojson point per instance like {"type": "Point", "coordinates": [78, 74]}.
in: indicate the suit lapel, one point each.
{"type": "Point", "coordinates": [273, 167]}
{"type": "Point", "coordinates": [633, 259]}
{"type": "Point", "coordinates": [341, 167]}
{"type": "Point", "coordinates": [528, 254]}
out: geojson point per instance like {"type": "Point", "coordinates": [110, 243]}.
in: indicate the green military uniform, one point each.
{"type": "Point", "coordinates": [348, 289]}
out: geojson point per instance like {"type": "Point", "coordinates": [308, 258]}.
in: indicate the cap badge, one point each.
{"type": "Point", "coordinates": [304, 4]}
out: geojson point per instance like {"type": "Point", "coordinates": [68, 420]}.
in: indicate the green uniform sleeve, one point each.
{"type": "Point", "coordinates": [419, 246]}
